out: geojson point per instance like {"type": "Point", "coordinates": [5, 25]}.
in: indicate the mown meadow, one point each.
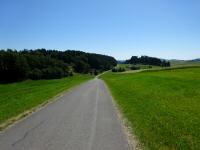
{"type": "Point", "coordinates": [162, 107]}
{"type": "Point", "coordinates": [16, 98]}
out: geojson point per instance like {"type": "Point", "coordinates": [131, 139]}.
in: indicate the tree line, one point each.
{"type": "Point", "coordinates": [49, 64]}
{"type": "Point", "coordinates": [146, 60]}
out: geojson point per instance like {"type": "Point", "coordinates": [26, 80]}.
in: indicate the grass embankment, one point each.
{"type": "Point", "coordinates": [16, 98]}
{"type": "Point", "coordinates": [163, 107]}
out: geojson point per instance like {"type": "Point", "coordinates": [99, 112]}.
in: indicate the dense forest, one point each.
{"type": "Point", "coordinates": [146, 60]}
{"type": "Point", "coordinates": [49, 64]}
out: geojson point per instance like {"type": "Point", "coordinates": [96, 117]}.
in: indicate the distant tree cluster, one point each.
{"type": "Point", "coordinates": [49, 64]}
{"type": "Point", "coordinates": [146, 60]}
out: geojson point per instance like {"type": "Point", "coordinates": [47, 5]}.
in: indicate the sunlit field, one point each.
{"type": "Point", "coordinates": [15, 98]}
{"type": "Point", "coordinates": [163, 107]}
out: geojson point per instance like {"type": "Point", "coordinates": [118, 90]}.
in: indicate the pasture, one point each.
{"type": "Point", "coordinates": [163, 106]}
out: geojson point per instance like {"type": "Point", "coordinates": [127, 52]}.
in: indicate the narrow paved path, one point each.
{"type": "Point", "coordinates": [83, 119]}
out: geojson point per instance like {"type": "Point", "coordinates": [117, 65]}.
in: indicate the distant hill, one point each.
{"type": "Point", "coordinates": [176, 62]}
{"type": "Point", "coordinates": [196, 60]}
{"type": "Point", "coordinates": [120, 61]}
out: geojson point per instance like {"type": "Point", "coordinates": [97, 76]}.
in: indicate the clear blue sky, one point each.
{"type": "Point", "coordinates": [121, 28]}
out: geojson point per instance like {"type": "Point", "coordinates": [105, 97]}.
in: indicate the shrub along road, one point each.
{"type": "Point", "coordinates": [83, 119]}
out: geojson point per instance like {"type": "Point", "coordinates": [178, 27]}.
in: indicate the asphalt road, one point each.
{"type": "Point", "coordinates": [82, 119]}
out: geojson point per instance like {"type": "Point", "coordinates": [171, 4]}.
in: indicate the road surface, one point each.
{"type": "Point", "coordinates": [83, 119]}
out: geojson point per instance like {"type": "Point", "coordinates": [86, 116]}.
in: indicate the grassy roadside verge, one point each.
{"type": "Point", "coordinates": [17, 98]}
{"type": "Point", "coordinates": [163, 106]}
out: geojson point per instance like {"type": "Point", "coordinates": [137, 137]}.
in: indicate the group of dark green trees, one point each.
{"type": "Point", "coordinates": [49, 64]}
{"type": "Point", "coordinates": [146, 60]}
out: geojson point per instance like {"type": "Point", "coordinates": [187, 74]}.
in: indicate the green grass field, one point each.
{"type": "Point", "coordinates": [163, 107]}
{"type": "Point", "coordinates": [16, 98]}
{"type": "Point", "coordinates": [127, 67]}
